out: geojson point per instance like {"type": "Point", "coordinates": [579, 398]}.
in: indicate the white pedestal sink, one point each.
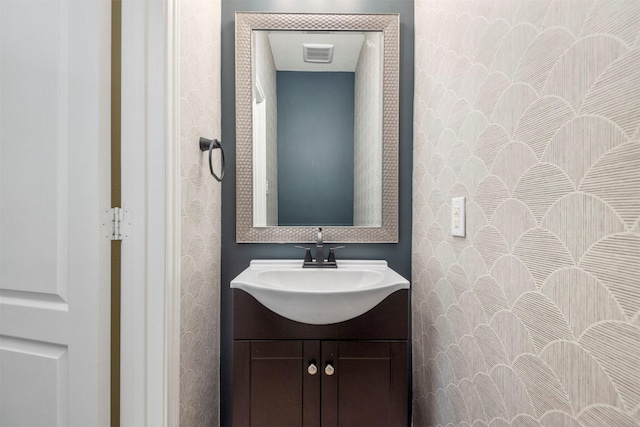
{"type": "Point", "coordinates": [319, 296]}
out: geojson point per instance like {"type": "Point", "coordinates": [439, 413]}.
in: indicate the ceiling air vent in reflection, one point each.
{"type": "Point", "coordinates": [322, 53]}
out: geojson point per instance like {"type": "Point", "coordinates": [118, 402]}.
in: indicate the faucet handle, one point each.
{"type": "Point", "coordinates": [307, 255]}
{"type": "Point", "coordinates": [332, 255]}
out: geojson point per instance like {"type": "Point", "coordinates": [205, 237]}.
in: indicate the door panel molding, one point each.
{"type": "Point", "coordinates": [54, 181]}
{"type": "Point", "coordinates": [25, 362]}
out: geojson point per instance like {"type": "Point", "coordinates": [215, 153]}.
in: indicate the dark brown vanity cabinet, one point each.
{"type": "Point", "coordinates": [287, 373]}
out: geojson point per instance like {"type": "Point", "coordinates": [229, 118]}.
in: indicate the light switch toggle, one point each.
{"type": "Point", "coordinates": [458, 223]}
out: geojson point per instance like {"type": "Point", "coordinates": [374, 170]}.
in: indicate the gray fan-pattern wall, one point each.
{"type": "Point", "coordinates": [530, 109]}
{"type": "Point", "coordinates": [367, 138]}
{"type": "Point", "coordinates": [200, 214]}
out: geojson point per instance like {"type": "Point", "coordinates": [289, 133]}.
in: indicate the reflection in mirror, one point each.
{"type": "Point", "coordinates": [317, 138]}
{"type": "Point", "coordinates": [317, 128]}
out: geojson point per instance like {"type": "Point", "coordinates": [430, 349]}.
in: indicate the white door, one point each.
{"type": "Point", "coordinates": [54, 181]}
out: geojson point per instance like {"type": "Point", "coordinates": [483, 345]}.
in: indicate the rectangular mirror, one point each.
{"type": "Point", "coordinates": [317, 127]}
{"type": "Point", "coordinates": [317, 124]}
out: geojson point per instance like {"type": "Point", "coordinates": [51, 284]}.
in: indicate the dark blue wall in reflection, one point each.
{"type": "Point", "coordinates": [315, 147]}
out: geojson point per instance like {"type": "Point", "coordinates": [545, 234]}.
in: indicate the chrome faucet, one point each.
{"type": "Point", "coordinates": [319, 248]}
{"type": "Point", "coordinates": [319, 262]}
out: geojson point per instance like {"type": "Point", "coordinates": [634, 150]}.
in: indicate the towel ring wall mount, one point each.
{"type": "Point", "coordinates": [209, 145]}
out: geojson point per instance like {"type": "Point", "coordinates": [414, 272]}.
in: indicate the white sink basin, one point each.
{"type": "Point", "coordinates": [319, 296]}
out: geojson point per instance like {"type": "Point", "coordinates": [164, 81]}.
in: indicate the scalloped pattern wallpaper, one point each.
{"type": "Point", "coordinates": [367, 140]}
{"type": "Point", "coordinates": [200, 214]}
{"type": "Point", "coordinates": [530, 109]}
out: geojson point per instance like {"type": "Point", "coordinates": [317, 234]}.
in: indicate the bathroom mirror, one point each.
{"type": "Point", "coordinates": [317, 127]}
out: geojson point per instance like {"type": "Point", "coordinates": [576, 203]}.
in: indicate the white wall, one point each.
{"type": "Point", "coordinates": [265, 72]}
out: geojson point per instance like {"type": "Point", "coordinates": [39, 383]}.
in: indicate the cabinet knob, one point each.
{"type": "Point", "coordinates": [329, 369]}
{"type": "Point", "coordinates": [312, 369]}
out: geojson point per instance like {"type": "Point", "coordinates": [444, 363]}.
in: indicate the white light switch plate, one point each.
{"type": "Point", "coordinates": [458, 220]}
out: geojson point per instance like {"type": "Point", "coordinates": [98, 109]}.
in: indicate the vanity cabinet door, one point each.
{"type": "Point", "coordinates": [273, 385]}
{"type": "Point", "coordinates": [366, 385]}
{"type": "Point", "coordinates": [354, 383]}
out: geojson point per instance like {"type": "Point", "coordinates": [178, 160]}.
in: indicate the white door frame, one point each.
{"type": "Point", "coordinates": [150, 279]}
{"type": "Point", "coordinates": [260, 184]}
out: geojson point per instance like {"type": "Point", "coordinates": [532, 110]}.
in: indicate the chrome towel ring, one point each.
{"type": "Point", "coordinates": [209, 145]}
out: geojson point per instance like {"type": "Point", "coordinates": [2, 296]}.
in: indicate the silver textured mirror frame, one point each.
{"type": "Point", "coordinates": [389, 25]}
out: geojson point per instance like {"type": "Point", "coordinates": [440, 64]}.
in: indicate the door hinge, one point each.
{"type": "Point", "coordinates": [117, 223]}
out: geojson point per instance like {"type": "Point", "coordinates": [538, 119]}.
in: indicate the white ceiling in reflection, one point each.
{"type": "Point", "coordinates": [286, 47]}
